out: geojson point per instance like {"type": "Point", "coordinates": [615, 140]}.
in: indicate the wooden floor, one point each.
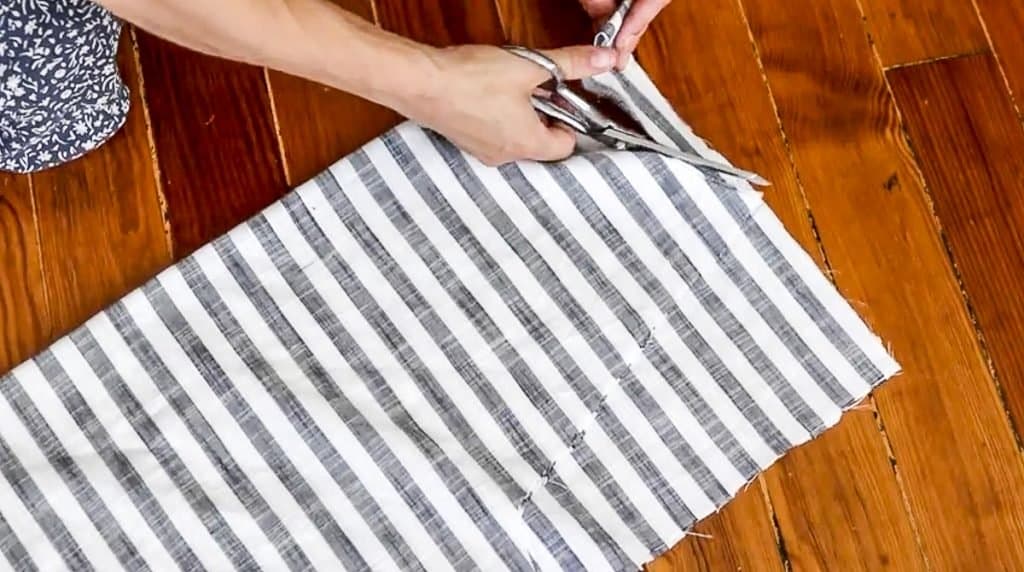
{"type": "Point", "coordinates": [897, 151]}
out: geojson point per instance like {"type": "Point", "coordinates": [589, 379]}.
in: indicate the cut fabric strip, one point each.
{"type": "Point", "coordinates": [418, 362]}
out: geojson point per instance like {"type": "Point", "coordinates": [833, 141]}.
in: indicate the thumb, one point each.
{"type": "Point", "coordinates": [578, 62]}
{"type": "Point", "coordinates": [554, 143]}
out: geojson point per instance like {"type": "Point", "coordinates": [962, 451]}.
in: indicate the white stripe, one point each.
{"type": "Point", "coordinates": [586, 551]}
{"type": "Point", "coordinates": [729, 293]}
{"type": "Point", "coordinates": [6, 566]}
{"type": "Point", "coordinates": [499, 376]}
{"type": "Point", "coordinates": [262, 405]}
{"type": "Point", "coordinates": [404, 388]}
{"type": "Point", "coordinates": [839, 309]}
{"type": "Point", "coordinates": [55, 490]}
{"type": "Point", "coordinates": [180, 439]}
{"type": "Point", "coordinates": [521, 276]}
{"type": "Point", "coordinates": [568, 272]}
{"type": "Point", "coordinates": [165, 492]}
{"type": "Point", "coordinates": [689, 427]}
{"type": "Point", "coordinates": [236, 443]}
{"type": "Point", "coordinates": [781, 238]}
{"type": "Point", "coordinates": [20, 520]}
{"type": "Point", "coordinates": [627, 413]}
{"type": "Point", "coordinates": [704, 323]}
{"type": "Point", "coordinates": [430, 225]}
{"type": "Point", "coordinates": [334, 429]}
{"type": "Point", "coordinates": [121, 508]}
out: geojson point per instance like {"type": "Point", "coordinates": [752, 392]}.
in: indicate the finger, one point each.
{"type": "Point", "coordinates": [554, 143]}
{"type": "Point", "coordinates": [639, 17]}
{"type": "Point", "coordinates": [626, 50]}
{"type": "Point", "coordinates": [578, 62]}
{"type": "Point", "coordinates": [598, 8]}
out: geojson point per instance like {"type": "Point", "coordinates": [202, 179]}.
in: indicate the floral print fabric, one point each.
{"type": "Point", "coordinates": [60, 92]}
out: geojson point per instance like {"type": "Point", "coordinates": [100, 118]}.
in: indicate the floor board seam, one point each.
{"type": "Point", "coordinates": [154, 157]}
{"type": "Point", "coordinates": [926, 61]}
{"type": "Point", "coordinates": [999, 63]}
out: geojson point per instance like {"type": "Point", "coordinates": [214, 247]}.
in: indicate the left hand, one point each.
{"type": "Point", "coordinates": [639, 17]}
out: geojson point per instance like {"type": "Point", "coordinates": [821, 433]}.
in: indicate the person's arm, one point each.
{"type": "Point", "coordinates": [478, 96]}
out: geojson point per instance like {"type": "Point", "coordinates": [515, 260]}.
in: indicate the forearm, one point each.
{"type": "Point", "coordinates": [309, 38]}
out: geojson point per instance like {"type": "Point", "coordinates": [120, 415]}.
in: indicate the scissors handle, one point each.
{"type": "Point", "coordinates": [550, 109]}
{"type": "Point", "coordinates": [605, 37]}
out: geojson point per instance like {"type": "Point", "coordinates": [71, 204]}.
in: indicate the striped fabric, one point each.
{"type": "Point", "coordinates": [417, 362]}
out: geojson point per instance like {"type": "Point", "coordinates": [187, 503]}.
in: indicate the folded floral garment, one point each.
{"type": "Point", "coordinates": [418, 362]}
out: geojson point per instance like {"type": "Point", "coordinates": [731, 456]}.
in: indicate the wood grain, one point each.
{"type": "Point", "coordinates": [318, 125]}
{"type": "Point", "coordinates": [100, 223]}
{"type": "Point", "coordinates": [24, 320]}
{"type": "Point", "coordinates": [214, 134]}
{"type": "Point", "coordinates": [1004, 21]}
{"type": "Point", "coordinates": [711, 76]}
{"type": "Point", "coordinates": [545, 23]}
{"type": "Point", "coordinates": [443, 22]}
{"type": "Point", "coordinates": [955, 454]}
{"type": "Point", "coordinates": [962, 126]}
{"type": "Point", "coordinates": [907, 31]}
{"type": "Point", "coordinates": [742, 535]}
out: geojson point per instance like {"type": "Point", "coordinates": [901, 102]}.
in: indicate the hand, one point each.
{"type": "Point", "coordinates": [640, 16]}
{"type": "Point", "coordinates": [480, 100]}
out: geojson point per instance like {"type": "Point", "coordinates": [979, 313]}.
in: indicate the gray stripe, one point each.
{"type": "Point", "coordinates": [377, 385]}
{"type": "Point", "coordinates": [305, 426]}
{"type": "Point", "coordinates": [688, 333]}
{"type": "Point", "coordinates": [11, 546]}
{"type": "Point", "coordinates": [120, 465]}
{"type": "Point", "coordinates": [752, 292]}
{"type": "Point", "coordinates": [570, 371]}
{"type": "Point", "coordinates": [65, 466]}
{"type": "Point", "coordinates": [652, 349]}
{"type": "Point", "coordinates": [51, 524]}
{"type": "Point", "coordinates": [233, 475]}
{"type": "Point", "coordinates": [413, 171]}
{"type": "Point", "coordinates": [519, 370]}
{"type": "Point", "coordinates": [539, 397]}
{"type": "Point", "coordinates": [162, 451]}
{"type": "Point", "coordinates": [775, 260]}
{"type": "Point", "coordinates": [627, 315]}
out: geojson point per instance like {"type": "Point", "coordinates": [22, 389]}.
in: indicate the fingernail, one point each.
{"type": "Point", "coordinates": [603, 59]}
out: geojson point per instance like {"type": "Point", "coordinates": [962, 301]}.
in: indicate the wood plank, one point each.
{"type": "Point", "coordinates": [711, 75]}
{"type": "Point", "coordinates": [100, 223]}
{"type": "Point", "coordinates": [953, 449]}
{"type": "Point", "coordinates": [214, 135]}
{"type": "Point", "coordinates": [907, 31]}
{"type": "Point", "coordinates": [545, 23]}
{"type": "Point", "coordinates": [24, 320]}
{"type": "Point", "coordinates": [318, 125]}
{"type": "Point", "coordinates": [1004, 21]}
{"type": "Point", "coordinates": [961, 124]}
{"type": "Point", "coordinates": [443, 22]}
{"type": "Point", "coordinates": [741, 535]}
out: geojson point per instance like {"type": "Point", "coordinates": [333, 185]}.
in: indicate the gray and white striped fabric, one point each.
{"type": "Point", "coordinates": [417, 362]}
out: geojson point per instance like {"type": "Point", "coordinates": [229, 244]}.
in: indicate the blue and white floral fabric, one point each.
{"type": "Point", "coordinates": [60, 92]}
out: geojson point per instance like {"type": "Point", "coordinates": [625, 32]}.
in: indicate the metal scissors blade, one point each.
{"type": "Point", "coordinates": [564, 105]}
{"type": "Point", "coordinates": [631, 140]}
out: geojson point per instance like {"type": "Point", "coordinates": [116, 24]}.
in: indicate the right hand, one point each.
{"type": "Point", "coordinates": [480, 100]}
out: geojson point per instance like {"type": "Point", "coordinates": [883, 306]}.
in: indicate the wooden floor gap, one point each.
{"type": "Point", "coordinates": [926, 61]}
{"type": "Point", "coordinates": [1000, 64]}
{"type": "Point", "coordinates": [150, 139]}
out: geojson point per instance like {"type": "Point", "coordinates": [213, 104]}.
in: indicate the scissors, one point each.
{"type": "Point", "coordinates": [563, 104]}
